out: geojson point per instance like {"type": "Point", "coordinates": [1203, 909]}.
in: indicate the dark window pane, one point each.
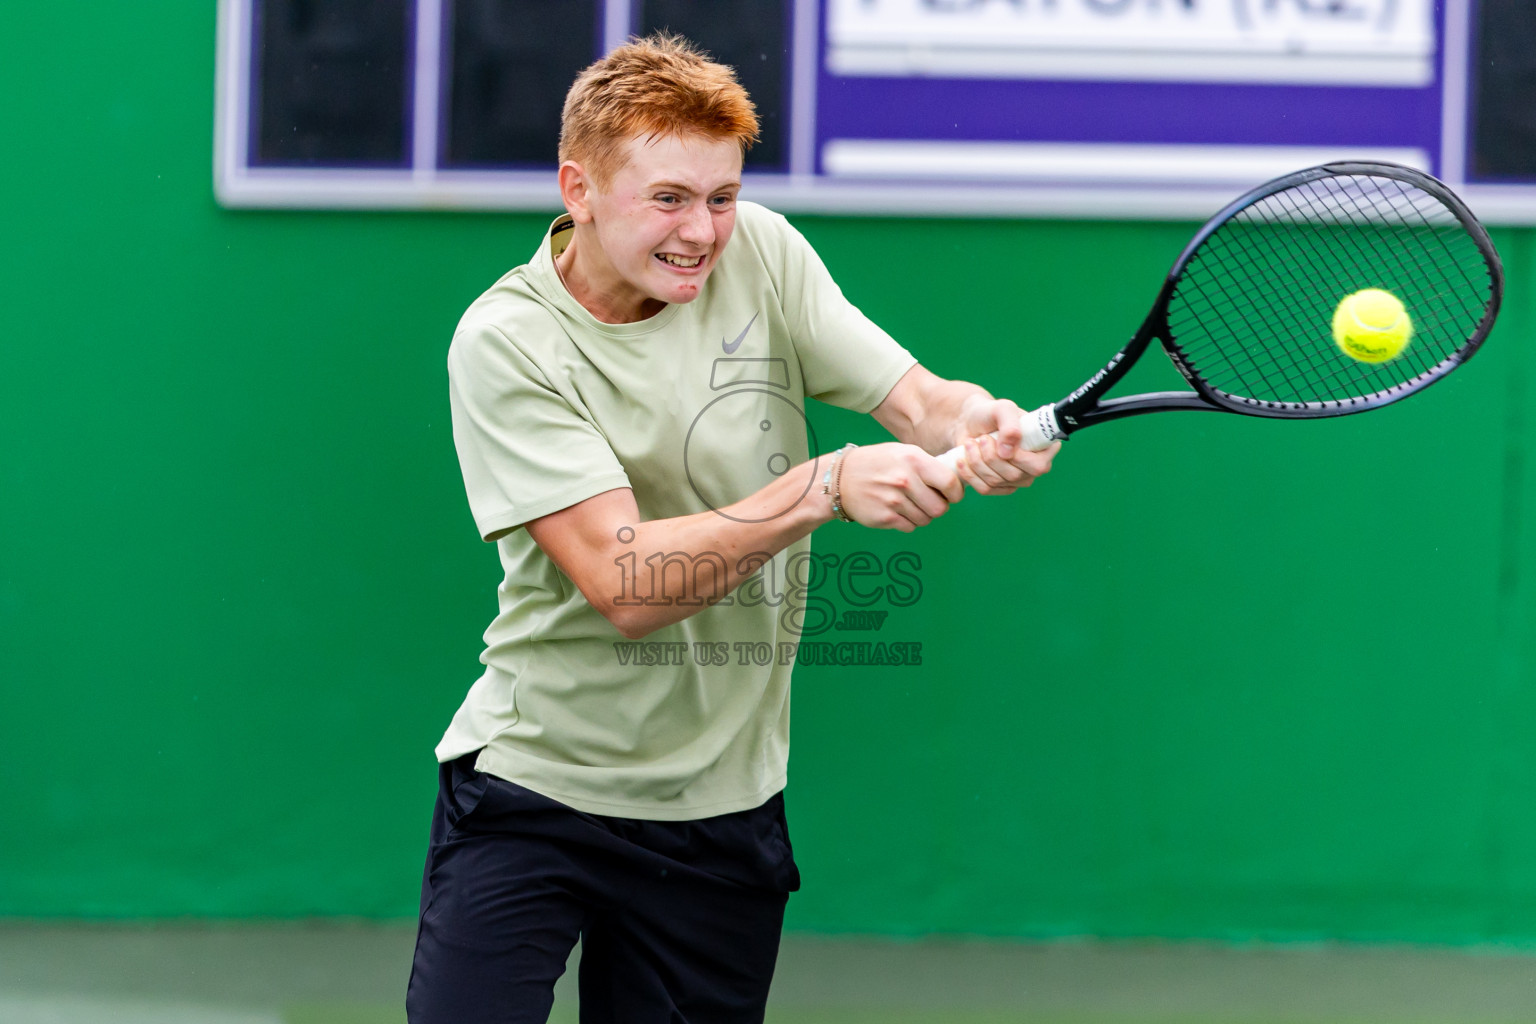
{"type": "Point", "coordinates": [1504, 83]}
{"type": "Point", "coordinates": [750, 36]}
{"type": "Point", "coordinates": [511, 63]}
{"type": "Point", "coordinates": [331, 82]}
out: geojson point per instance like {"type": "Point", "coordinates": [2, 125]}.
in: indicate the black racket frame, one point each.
{"type": "Point", "coordinates": [1083, 408]}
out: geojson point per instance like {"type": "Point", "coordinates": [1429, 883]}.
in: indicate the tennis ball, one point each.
{"type": "Point", "coordinates": [1372, 326]}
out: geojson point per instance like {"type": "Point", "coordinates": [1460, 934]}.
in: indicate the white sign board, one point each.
{"type": "Point", "coordinates": [1361, 42]}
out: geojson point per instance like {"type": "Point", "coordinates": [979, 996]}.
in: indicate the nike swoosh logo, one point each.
{"type": "Point", "coordinates": [732, 346]}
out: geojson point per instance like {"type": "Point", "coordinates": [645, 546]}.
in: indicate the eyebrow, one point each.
{"type": "Point", "coordinates": [680, 187]}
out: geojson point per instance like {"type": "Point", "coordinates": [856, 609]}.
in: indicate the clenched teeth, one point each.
{"type": "Point", "coordinates": [680, 261]}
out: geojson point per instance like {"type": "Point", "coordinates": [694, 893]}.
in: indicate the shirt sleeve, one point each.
{"type": "Point", "coordinates": [524, 449]}
{"type": "Point", "coordinates": [847, 360]}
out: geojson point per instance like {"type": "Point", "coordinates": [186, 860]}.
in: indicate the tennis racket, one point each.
{"type": "Point", "coordinates": [1246, 312]}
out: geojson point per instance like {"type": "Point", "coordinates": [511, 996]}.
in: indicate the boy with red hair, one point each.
{"type": "Point", "coordinates": [631, 398]}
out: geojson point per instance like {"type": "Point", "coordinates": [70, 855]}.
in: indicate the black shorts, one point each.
{"type": "Point", "coordinates": [679, 920]}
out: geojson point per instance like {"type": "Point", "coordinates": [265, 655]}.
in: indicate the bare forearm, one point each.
{"type": "Point", "coordinates": [940, 430]}
{"type": "Point", "coordinates": [936, 415]}
{"type": "Point", "coordinates": [676, 567]}
{"type": "Point", "coordinates": [646, 575]}
{"type": "Point", "coordinates": [928, 411]}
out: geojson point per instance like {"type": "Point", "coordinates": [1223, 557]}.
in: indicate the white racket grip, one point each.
{"type": "Point", "coordinates": [1040, 429]}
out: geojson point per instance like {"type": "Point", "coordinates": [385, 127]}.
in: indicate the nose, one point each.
{"type": "Point", "coordinates": [697, 226]}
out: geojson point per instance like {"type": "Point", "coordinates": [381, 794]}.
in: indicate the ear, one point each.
{"type": "Point", "coordinates": [576, 191]}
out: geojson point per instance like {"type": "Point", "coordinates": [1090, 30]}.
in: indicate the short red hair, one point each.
{"type": "Point", "coordinates": [656, 86]}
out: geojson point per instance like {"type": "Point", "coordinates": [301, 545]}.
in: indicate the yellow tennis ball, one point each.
{"type": "Point", "coordinates": [1372, 326]}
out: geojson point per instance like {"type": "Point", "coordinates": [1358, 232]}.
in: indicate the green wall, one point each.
{"type": "Point", "coordinates": [1213, 677]}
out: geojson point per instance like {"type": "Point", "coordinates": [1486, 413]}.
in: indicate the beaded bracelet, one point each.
{"type": "Point", "coordinates": [832, 482]}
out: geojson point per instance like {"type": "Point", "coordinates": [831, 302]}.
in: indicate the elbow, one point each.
{"type": "Point", "coordinates": [633, 619]}
{"type": "Point", "coordinates": [630, 629]}
{"type": "Point", "coordinates": [629, 621]}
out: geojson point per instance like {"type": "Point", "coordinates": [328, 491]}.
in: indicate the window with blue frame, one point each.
{"type": "Point", "coordinates": [333, 82]}
{"type": "Point", "coordinates": [1503, 142]}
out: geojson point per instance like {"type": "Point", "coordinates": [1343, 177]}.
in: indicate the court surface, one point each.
{"type": "Point", "coordinates": [355, 974]}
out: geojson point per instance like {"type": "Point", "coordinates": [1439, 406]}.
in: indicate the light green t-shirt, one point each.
{"type": "Point", "coordinates": [693, 409]}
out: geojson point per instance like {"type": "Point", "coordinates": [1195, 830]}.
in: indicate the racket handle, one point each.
{"type": "Point", "coordinates": [1040, 429]}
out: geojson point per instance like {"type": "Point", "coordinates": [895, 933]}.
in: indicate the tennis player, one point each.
{"type": "Point", "coordinates": [627, 413]}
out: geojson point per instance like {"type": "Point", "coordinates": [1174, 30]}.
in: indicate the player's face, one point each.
{"type": "Point", "coordinates": [665, 218]}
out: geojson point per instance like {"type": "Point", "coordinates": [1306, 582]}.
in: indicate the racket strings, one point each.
{"type": "Point", "coordinates": [1260, 321]}
{"type": "Point", "coordinates": [1439, 219]}
{"type": "Point", "coordinates": [1235, 354]}
{"type": "Point", "coordinates": [1252, 312]}
{"type": "Point", "coordinates": [1323, 376]}
{"type": "Point", "coordinates": [1310, 379]}
{"type": "Point", "coordinates": [1289, 281]}
{"type": "Point", "coordinates": [1270, 320]}
{"type": "Point", "coordinates": [1322, 379]}
{"type": "Point", "coordinates": [1286, 260]}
